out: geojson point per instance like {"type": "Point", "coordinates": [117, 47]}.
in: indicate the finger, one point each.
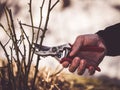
{"type": "Point", "coordinates": [74, 64]}
{"type": "Point", "coordinates": [76, 46]}
{"type": "Point", "coordinates": [68, 59]}
{"type": "Point", "coordinates": [65, 64]}
{"type": "Point", "coordinates": [91, 70]}
{"type": "Point", "coordinates": [82, 67]}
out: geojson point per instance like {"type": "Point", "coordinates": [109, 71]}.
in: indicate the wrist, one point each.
{"type": "Point", "coordinates": [102, 41]}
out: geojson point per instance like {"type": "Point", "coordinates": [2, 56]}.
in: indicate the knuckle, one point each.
{"type": "Point", "coordinates": [75, 62]}
{"type": "Point", "coordinates": [74, 65]}
{"type": "Point", "coordinates": [71, 69]}
{"type": "Point", "coordinates": [80, 37]}
{"type": "Point", "coordinates": [80, 72]}
{"type": "Point", "coordinates": [65, 64]}
{"type": "Point", "coordinates": [82, 67]}
{"type": "Point", "coordinates": [91, 70]}
{"type": "Point", "coordinates": [83, 62]}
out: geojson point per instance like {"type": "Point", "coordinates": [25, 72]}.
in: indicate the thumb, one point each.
{"type": "Point", "coordinates": [75, 48]}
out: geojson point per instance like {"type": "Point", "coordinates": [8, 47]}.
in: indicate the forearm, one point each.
{"type": "Point", "coordinates": [111, 37]}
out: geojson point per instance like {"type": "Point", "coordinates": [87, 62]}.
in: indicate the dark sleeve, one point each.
{"type": "Point", "coordinates": [111, 38]}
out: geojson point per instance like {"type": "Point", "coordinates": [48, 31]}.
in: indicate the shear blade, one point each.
{"type": "Point", "coordinates": [42, 53]}
{"type": "Point", "coordinates": [42, 48]}
{"type": "Point", "coordinates": [58, 52]}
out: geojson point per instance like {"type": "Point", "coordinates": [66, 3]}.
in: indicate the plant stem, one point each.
{"type": "Point", "coordinates": [42, 38]}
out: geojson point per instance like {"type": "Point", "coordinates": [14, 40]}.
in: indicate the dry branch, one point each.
{"type": "Point", "coordinates": [19, 81]}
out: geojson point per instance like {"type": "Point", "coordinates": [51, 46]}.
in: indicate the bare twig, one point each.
{"type": "Point", "coordinates": [46, 23]}
{"type": "Point", "coordinates": [7, 56]}
{"type": "Point", "coordinates": [23, 67]}
{"type": "Point", "coordinates": [24, 46]}
{"type": "Point", "coordinates": [57, 72]}
{"type": "Point", "coordinates": [13, 34]}
{"type": "Point", "coordinates": [7, 42]}
{"type": "Point", "coordinates": [12, 72]}
{"type": "Point", "coordinates": [31, 18]}
{"type": "Point", "coordinates": [7, 17]}
{"type": "Point", "coordinates": [42, 37]}
{"type": "Point", "coordinates": [11, 76]}
{"type": "Point", "coordinates": [41, 13]}
{"type": "Point", "coordinates": [24, 32]}
{"type": "Point", "coordinates": [54, 4]}
{"type": "Point", "coordinates": [5, 30]}
{"type": "Point", "coordinates": [30, 56]}
{"type": "Point", "coordinates": [31, 26]}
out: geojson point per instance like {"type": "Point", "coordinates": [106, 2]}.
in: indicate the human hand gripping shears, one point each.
{"type": "Point", "coordinates": [61, 52]}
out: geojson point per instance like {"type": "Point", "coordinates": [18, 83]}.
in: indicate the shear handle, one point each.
{"type": "Point", "coordinates": [92, 48]}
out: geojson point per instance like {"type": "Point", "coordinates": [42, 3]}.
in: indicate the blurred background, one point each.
{"type": "Point", "coordinates": [69, 19]}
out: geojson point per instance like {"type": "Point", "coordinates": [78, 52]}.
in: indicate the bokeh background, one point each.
{"type": "Point", "coordinates": [69, 19]}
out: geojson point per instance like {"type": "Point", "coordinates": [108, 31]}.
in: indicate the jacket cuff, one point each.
{"type": "Point", "coordinates": [111, 36]}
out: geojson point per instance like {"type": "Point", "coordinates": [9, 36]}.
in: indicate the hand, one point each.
{"type": "Point", "coordinates": [83, 60]}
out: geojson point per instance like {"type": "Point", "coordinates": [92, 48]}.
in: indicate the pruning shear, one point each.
{"type": "Point", "coordinates": [61, 52]}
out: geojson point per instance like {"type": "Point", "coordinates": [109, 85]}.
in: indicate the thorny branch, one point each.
{"type": "Point", "coordinates": [23, 68]}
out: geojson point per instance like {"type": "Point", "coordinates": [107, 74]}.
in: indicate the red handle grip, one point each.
{"type": "Point", "coordinates": [92, 48]}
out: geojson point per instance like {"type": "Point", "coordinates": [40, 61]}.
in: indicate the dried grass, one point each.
{"type": "Point", "coordinates": [48, 80]}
